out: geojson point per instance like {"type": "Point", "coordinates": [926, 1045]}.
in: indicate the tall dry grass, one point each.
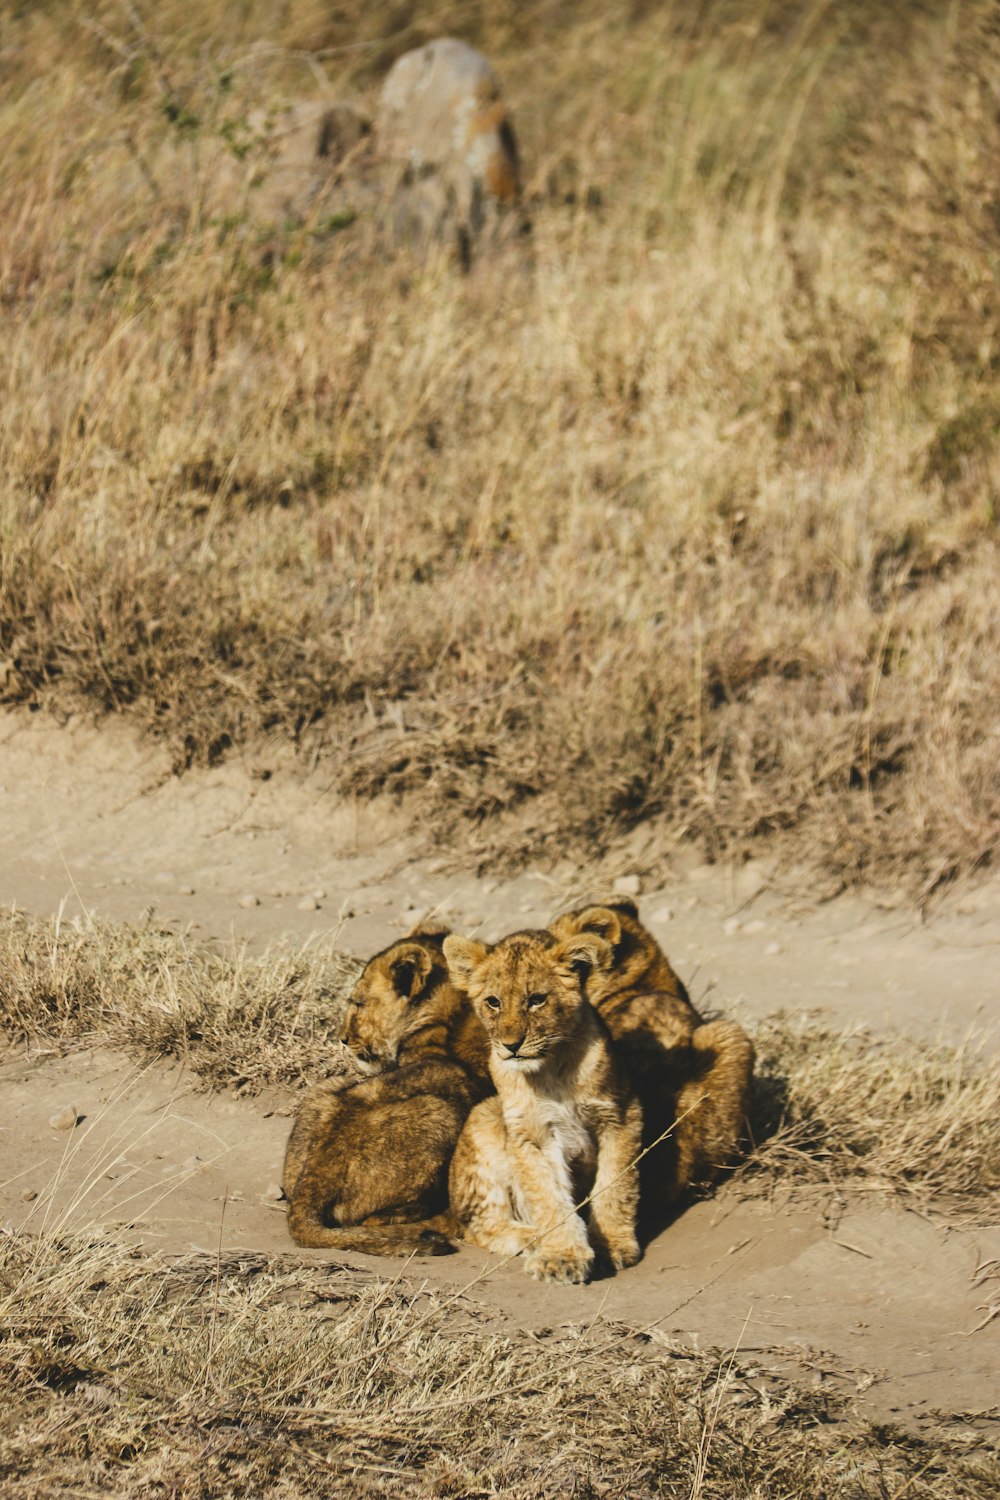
{"type": "Point", "coordinates": [683, 507]}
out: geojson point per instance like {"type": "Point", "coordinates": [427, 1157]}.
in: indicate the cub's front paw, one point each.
{"type": "Point", "coordinates": [570, 1267]}
{"type": "Point", "coordinates": [622, 1253]}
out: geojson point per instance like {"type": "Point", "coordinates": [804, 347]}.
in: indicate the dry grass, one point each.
{"type": "Point", "coordinates": [235, 1021]}
{"type": "Point", "coordinates": [685, 508]}
{"type": "Point", "coordinates": [839, 1109]}
{"type": "Point", "coordinates": [131, 1376]}
{"type": "Point", "coordinates": [846, 1108]}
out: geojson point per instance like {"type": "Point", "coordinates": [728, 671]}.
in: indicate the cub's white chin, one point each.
{"type": "Point", "coordinates": [523, 1064]}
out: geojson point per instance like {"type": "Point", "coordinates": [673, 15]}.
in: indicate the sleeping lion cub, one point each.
{"type": "Point", "coordinates": [366, 1166]}
{"type": "Point", "coordinates": [564, 1122]}
{"type": "Point", "coordinates": [692, 1077]}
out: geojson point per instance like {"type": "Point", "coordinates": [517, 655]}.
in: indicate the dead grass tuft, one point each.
{"type": "Point", "coordinates": [843, 1108]}
{"type": "Point", "coordinates": [132, 1376]}
{"type": "Point", "coordinates": [235, 1021]}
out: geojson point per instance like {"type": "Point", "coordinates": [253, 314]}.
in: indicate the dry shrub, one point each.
{"type": "Point", "coordinates": [126, 1375]}
{"type": "Point", "coordinates": [235, 1021]}
{"type": "Point", "coordinates": [685, 508]}
{"type": "Point", "coordinates": [843, 1108]}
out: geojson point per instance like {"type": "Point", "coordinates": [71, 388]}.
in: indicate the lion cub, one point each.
{"type": "Point", "coordinates": [692, 1077]}
{"type": "Point", "coordinates": [564, 1122]}
{"type": "Point", "coordinates": [366, 1166]}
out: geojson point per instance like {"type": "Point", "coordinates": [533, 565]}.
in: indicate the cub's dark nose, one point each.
{"type": "Point", "coordinates": [514, 1047]}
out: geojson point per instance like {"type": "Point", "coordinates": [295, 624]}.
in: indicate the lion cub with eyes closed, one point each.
{"type": "Point", "coordinates": [564, 1122]}
{"type": "Point", "coordinates": [366, 1167]}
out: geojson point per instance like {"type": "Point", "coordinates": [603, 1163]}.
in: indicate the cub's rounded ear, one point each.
{"type": "Point", "coordinates": [580, 955]}
{"type": "Point", "coordinates": [409, 969]}
{"type": "Point", "coordinates": [605, 921]}
{"type": "Point", "coordinates": [463, 955]}
{"type": "Point", "coordinates": [625, 905]}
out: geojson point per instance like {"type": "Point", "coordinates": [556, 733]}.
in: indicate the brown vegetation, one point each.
{"type": "Point", "coordinates": [685, 507]}
{"type": "Point", "coordinates": [209, 1378]}
{"type": "Point", "coordinates": [235, 1021]}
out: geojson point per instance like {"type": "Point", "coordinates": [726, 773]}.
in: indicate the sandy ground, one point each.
{"type": "Point", "coordinates": [870, 1299]}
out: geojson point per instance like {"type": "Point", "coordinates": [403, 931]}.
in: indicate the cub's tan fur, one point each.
{"type": "Point", "coordinates": [684, 1070]}
{"type": "Point", "coordinates": [366, 1166]}
{"type": "Point", "coordinates": [564, 1122]}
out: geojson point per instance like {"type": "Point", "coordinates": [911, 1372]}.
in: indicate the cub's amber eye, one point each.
{"type": "Point", "coordinates": [492, 1002]}
{"type": "Point", "coordinates": [534, 1001]}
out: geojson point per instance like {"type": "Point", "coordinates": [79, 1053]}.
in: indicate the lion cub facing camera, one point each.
{"type": "Point", "coordinates": [564, 1122]}
{"type": "Point", "coordinates": [366, 1167]}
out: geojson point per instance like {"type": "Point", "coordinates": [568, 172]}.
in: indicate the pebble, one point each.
{"type": "Point", "coordinates": [754, 927]}
{"type": "Point", "coordinates": [319, 894]}
{"type": "Point", "coordinates": [731, 926]}
{"type": "Point", "coordinates": [662, 914]}
{"type": "Point", "coordinates": [163, 877]}
{"type": "Point", "coordinates": [627, 885]}
{"type": "Point", "coordinates": [248, 901]}
{"type": "Point", "coordinates": [185, 890]}
{"type": "Point", "coordinates": [29, 1195]}
{"type": "Point", "coordinates": [64, 1119]}
{"type": "Point", "coordinates": [772, 949]}
{"type": "Point", "coordinates": [274, 1192]}
{"type": "Point", "coordinates": [308, 903]}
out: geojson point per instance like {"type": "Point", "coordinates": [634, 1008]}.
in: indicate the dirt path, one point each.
{"type": "Point", "coordinates": [874, 1301]}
